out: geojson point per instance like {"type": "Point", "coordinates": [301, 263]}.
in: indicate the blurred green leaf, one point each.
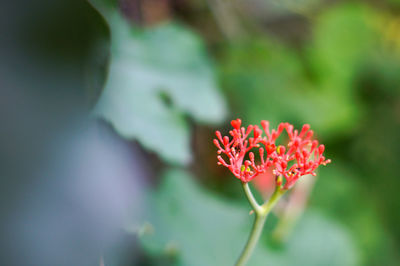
{"type": "Point", "coordinates": [343, 38]}
{"type": "Point", "coordinates": [156, 76]}
{"type": "Point", "coordinates": [256, 75]}
{"type": "Point", "coordinates": [205, 230]}
{"type": "Point", "coordinates": [267, 79]}
{"type": "Point", "coordinates": [292, 6]}
{"type": "Point", "coordinates": [340, 193]}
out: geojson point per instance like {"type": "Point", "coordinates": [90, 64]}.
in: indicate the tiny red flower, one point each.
{"type": "Point", "coordinates": [302, 153]}
{"type": "Point", "coordinates": [301, 156]}
{"type": "Point", "coordinates": [238, 147]}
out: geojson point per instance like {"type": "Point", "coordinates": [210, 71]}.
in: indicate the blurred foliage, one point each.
{"type": "Point", "coordinates": [340, 76]}
{"type": "Point", "coordinates": [345, 197]}
{"type": "Point", "coordinates": [167, 85]}
{"type": "Point", "coordinates": [313, 85]}
{"type": "Point", "coordinates": [205, 230]}
{"type": "Point", "coordinates": [156, 76]}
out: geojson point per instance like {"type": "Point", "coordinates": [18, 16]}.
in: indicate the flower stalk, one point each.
{"type": "Point", "coordinates": [261, 213]}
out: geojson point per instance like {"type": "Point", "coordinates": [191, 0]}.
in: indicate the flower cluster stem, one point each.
{"type": "Point", "coordinates": [252, 241]}
{"type": "Point", "coordinates": [261, 213]}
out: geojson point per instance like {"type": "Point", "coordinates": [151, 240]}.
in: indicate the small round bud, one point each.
{"type": "Point", "coordinates": [236, 123]}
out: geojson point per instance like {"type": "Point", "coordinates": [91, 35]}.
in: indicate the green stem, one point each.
{"type": "Point", "coordinates": [250, 197]}
{"type": "Point", "coordinates": [252, 241]}
{"type": "Point", "coordinates": [261, 215]}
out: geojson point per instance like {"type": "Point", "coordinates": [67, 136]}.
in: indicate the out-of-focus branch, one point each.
{"type": "Point", "coordinates": [226, 18]}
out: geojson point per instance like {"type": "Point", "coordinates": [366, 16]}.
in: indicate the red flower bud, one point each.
{"type": "Point", "coordinates": [257, 132]}
{"type": "Point", "coordinates": [251, 156]}
{"type": "Point", "coordinates": [281, 150]}
{"type": "Point", "coordinates": [321, 149]}
{"type": "Point", "coordinates": [281, 127]}
{"type": "Point", "coordinates": [305, 128]}
{"type": "Point", "coordinates": [236, 123]}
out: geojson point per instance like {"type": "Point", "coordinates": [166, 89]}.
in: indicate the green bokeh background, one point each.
{"type": "Point", "coordinates": [166, 74]}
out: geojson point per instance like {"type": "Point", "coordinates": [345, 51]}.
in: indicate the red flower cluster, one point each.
{"type": "Point", "coordinates": [301, 156]}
